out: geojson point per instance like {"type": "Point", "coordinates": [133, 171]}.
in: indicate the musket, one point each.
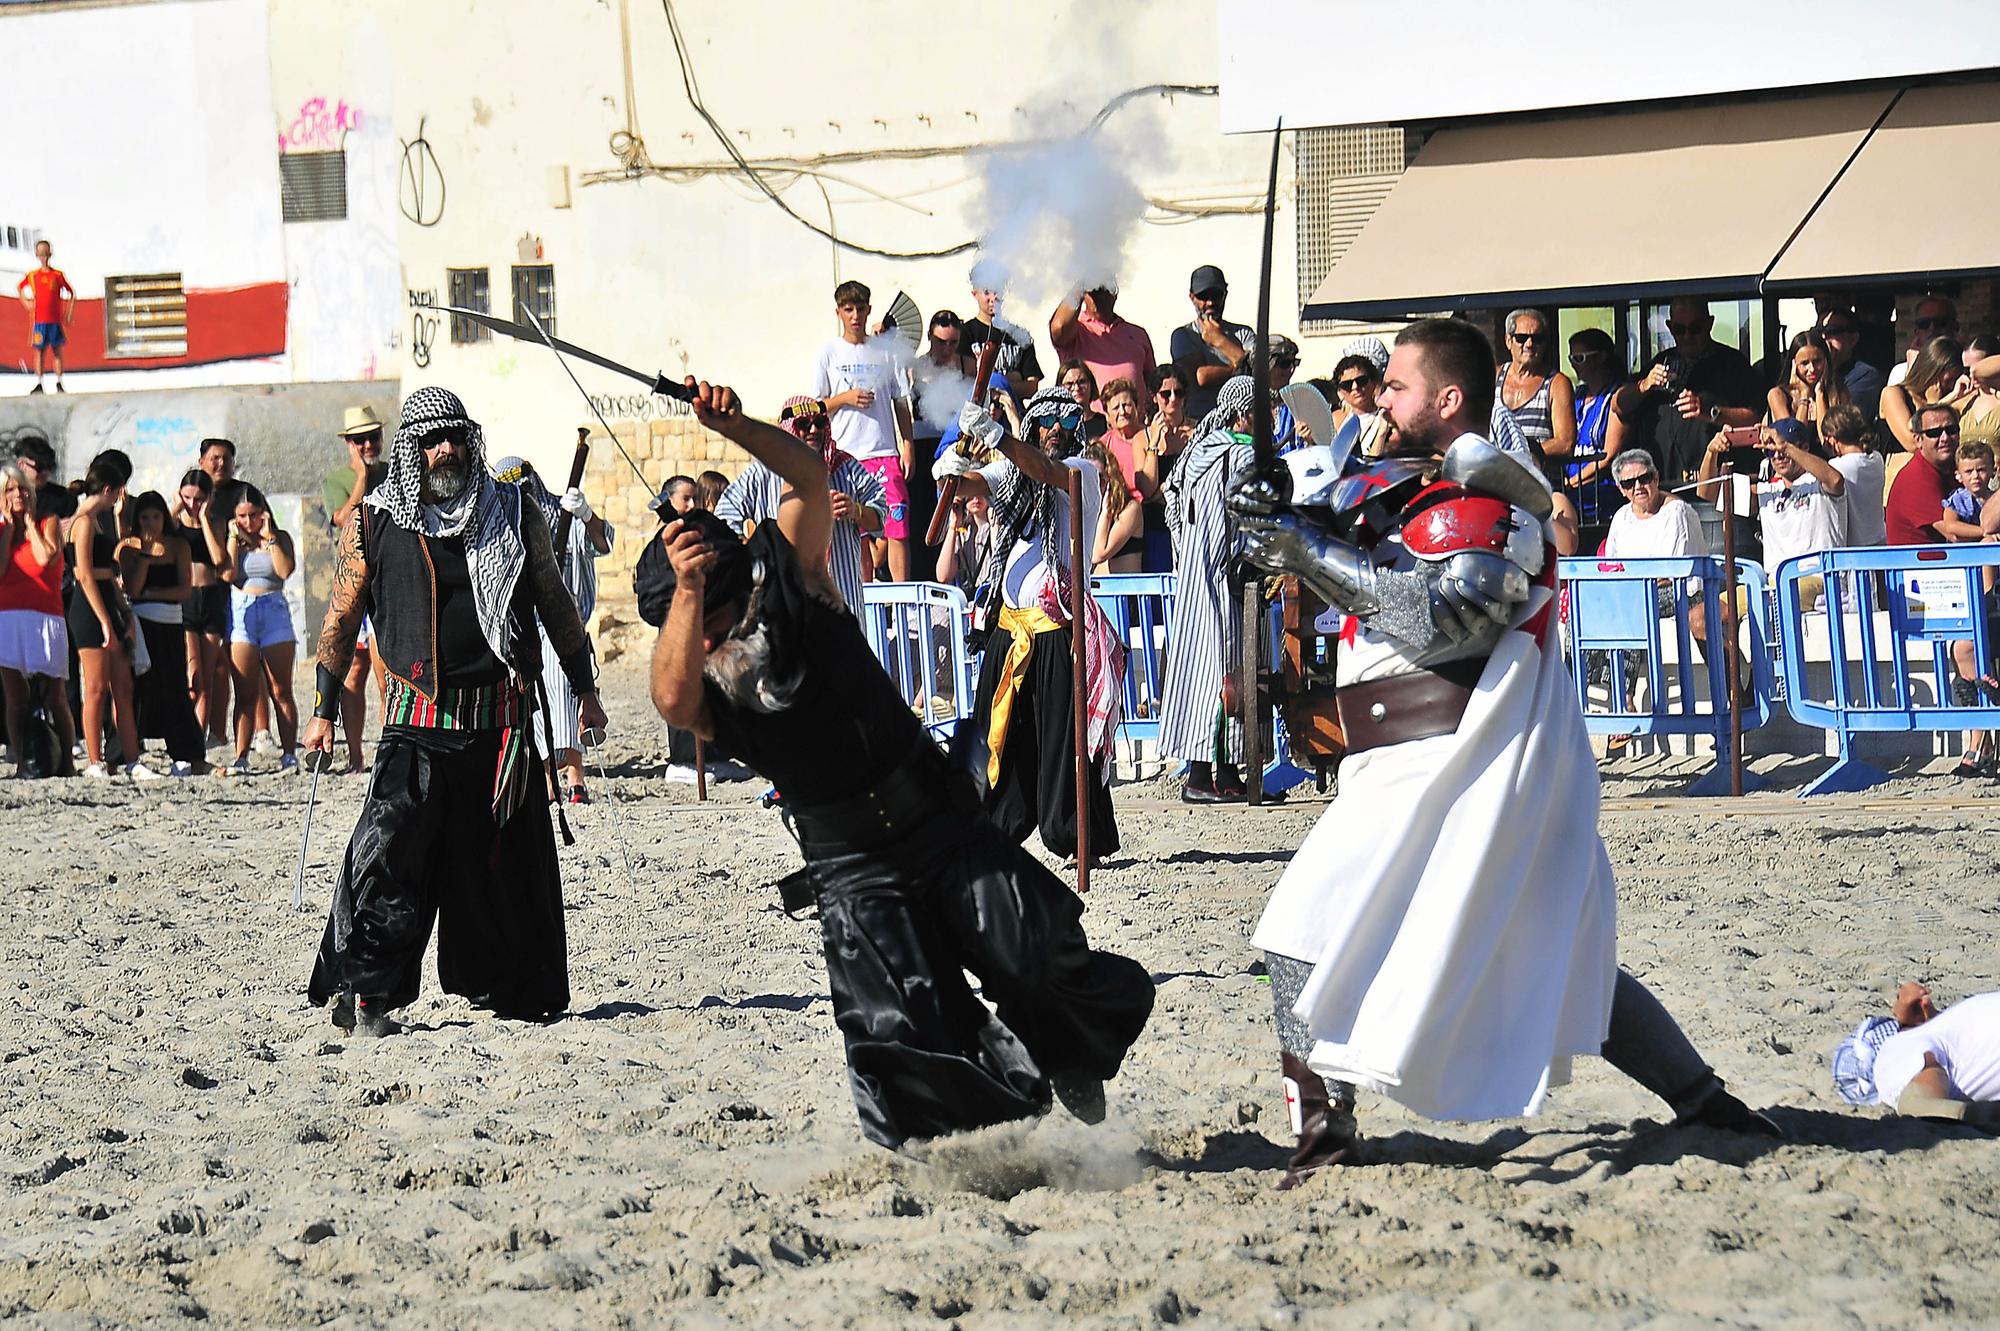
{"type": "Point", "coordinates": [576, 465]}
{"type": "Point", "coordinates": [982, 374]}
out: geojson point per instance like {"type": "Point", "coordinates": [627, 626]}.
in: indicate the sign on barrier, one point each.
{"type": "Point", "coordinates": [1894, 626]}
{"type": "Point", "coordinates": [1656, 625]}
{"type": "Point", "coordinates": [917, 631]}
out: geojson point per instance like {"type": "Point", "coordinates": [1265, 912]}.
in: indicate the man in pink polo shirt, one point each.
{"type": "Point", "coordinates": [1087, 327]}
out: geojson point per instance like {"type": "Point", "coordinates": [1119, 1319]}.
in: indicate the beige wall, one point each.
{"type": "Point", "coordinates": [701, 274]}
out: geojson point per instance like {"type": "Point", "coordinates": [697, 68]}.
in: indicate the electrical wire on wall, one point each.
{"type": "Point", "coordinates": [771, 177]}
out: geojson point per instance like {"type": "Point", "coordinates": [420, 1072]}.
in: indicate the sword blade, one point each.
{"type": "Point", "coordinates": [1263, 447]}
{"type": "Point", "coordinates": [299, 873]}
{"type": "Point", "coordinates": [658, 383]}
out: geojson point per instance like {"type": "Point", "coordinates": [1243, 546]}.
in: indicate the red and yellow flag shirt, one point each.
{"type": "Point", "coordinates": [49, 286]}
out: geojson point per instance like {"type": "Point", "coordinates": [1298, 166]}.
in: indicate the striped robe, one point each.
{"type": "Point", "coordinates": [753, 497]}
{"type": "Point", "coordinates": [1202, 643]}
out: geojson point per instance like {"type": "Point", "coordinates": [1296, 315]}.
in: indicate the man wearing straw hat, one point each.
{"type": "Point", "coordinates": [345, 487]}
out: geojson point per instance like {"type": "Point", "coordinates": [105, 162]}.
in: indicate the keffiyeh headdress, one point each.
{"type": "Point", "coordinates": [487, 515]}
{"type": "Point", "coordinates": [1854, 1060]}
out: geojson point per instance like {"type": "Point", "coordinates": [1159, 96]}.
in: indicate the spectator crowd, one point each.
{"type": "Point", "coordinates": [130, 617]}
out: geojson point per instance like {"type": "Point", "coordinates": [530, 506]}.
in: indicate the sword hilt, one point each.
{"type": "Point", "coordinates": [673, 388]}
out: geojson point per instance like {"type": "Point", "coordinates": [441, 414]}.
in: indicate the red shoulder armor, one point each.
{"type": "Point", "coordinates": [1445, 520]}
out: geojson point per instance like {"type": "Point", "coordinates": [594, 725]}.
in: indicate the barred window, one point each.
{"type": "Point", "coordinates": [535, 289]}
{"type": "Point", "coordinates": [469, 289]}
{"type": "Point", "coordinates": [313, 186]}
{"type": "Point", "coordinates": [145, 314]}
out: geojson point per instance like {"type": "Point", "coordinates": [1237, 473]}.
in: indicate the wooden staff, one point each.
{"type": "Point", "coordinates": [575, 479]}
{"type": "Point", "coordinates": [700, 770]}
{"type": "Point", "coordinates": [1730, 664]}
{"type": "Point", "coordinates": [982, 374]}
{"type": "Point", "coordinates": [1079, 598]}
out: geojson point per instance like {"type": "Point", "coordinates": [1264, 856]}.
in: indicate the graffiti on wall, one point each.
{"type": "Point", "coordinates": [423, 325]}
{"type": "Point", "coordinates": [319, 126]}
{"type": "Point", "coordinates": [637, 406]}
{"type": "Point", "coordinates": [420, 185]}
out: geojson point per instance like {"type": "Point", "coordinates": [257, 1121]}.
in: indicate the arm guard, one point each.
{"type": "Point", "coordinates": [326, 693]}
{"type": "Point", "coordinates": [1458, 605]}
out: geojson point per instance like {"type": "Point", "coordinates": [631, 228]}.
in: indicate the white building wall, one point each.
{"type": "Point", "coordinates": [701, 273]}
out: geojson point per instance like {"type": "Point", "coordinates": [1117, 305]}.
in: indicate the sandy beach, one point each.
{"type": "Point", "coordinates": [186, 1142]}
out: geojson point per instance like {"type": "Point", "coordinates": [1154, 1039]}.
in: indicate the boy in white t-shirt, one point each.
{"type": "Point", "coordinates": [865, 389]}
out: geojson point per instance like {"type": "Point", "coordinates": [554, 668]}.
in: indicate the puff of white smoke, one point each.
{"type": "Point", "coordinates": [940, 394]}
{"type": "Point", "coordinates": [1056, 215]}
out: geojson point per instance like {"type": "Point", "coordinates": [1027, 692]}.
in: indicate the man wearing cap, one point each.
{"type": "Point", "coordinates": [859, 504]}
{"type": "Point", "coordinates": [1211, 348]}
{"type": "Point", "coordinates": [453, 568]}
{"type": "Point", "coordinates": [1926, 1061]}
{"type": "Point", "coordinates": [342, 493]}
{"type": "Point", "coordinates": [913, 887]}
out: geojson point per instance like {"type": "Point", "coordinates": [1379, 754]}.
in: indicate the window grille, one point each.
{"type": "Point", "coordinates": [1344, 174]}
{"type": "Point", "coordinates": [535, 289]}
{"type": "Point", "coordinates": [469, 289]}
{"type": "Point", "coordinates": [145, 314]}
{"type": "Point", "coordinates": [313, 186]}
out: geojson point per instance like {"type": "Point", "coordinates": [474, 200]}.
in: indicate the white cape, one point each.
{"type": "Point", "coordinates": [1457, 902]}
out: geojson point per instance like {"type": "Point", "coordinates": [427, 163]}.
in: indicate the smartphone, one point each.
{"type": "Point", "coordinates": [1742, 436]}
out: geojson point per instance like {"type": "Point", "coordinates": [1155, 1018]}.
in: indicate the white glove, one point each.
{"type": "Point", "coordinates": [954, 462]}
{"type": "Point", "coordinates": [977, 426]}
{"type": "Point", "coordinates": [574, 504]}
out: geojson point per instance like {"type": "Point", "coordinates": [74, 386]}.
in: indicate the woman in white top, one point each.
{"type": "Point", "coordinates": [1655, 525]}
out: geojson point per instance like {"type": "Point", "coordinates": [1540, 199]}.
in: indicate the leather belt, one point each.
{"type": "Point", "coordinates": [915, 791]}
{"type": "Point", "coordinates": [1406, 707]}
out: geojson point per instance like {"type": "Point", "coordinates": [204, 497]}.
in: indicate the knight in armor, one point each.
{"type": "Point", "coordinates": [1446, 935]}
{"type": "Point", "coordinates": [914, 887]}
{"type": "Point", "coordinates": [452, 569]}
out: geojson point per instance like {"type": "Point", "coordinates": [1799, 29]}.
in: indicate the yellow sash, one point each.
{"type": "Point", "coordinates": [1022, 626]}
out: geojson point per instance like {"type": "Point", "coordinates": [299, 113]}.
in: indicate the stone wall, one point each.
{"type": "Point", "coordinates": [663, 447]}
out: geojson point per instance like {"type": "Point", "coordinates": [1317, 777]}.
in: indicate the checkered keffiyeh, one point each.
{"type": "Point", "coordinates": [487, 515]}
{"type": "Point", "coordinates": [1854, 1060]}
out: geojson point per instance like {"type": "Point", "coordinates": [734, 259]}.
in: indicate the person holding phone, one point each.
{"type": "Point", "coordinates": [1801, 509]}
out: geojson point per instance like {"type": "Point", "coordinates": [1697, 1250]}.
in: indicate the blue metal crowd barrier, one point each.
{"type": "Point", "coordinates": [1616, 607]}
{"type": "Point", "coordinates": [917, 631]}
{"type": "Point", "coordinates": [1930, 598]}
{"type": "Point", "coordinates": [1141, 608]}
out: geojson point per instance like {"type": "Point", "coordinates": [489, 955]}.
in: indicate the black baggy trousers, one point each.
{"type": "Point", "coordinates": [903, 922]}
{"type": "Point", "coordinates": [425, 851]}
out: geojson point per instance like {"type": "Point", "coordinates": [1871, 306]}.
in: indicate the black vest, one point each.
{"type": "Point", "coordinates": [402, 595]}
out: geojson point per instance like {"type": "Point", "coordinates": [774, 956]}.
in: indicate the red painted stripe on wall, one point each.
{"type": "Point", "coordinates": [227, 323]}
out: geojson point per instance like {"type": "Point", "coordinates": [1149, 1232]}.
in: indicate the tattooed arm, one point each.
{"type": "Point", "coordinates": [346, 607]}
{"type": "Point", "coordinates": [560, 620]}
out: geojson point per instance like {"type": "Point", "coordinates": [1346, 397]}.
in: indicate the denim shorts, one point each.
{"type": "Point", "coordinates": [262, 621]}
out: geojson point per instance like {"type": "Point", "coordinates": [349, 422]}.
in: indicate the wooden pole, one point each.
{"type": "Point", "coordinates": [1249, 693]}
{"type": "Point", "coordinates": [1731, 665]}
{"type": "Point", "coordinates": [700, 769]}
{"type": "Point", "coordinates": [1079, 599]}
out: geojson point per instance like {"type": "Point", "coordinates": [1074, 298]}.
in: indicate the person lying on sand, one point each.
{"type": "Point", "coordinates": [1926, 1062]}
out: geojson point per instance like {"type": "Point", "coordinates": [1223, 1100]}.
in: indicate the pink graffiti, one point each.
{"type": "Point", "coordinates": [319, 126]}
